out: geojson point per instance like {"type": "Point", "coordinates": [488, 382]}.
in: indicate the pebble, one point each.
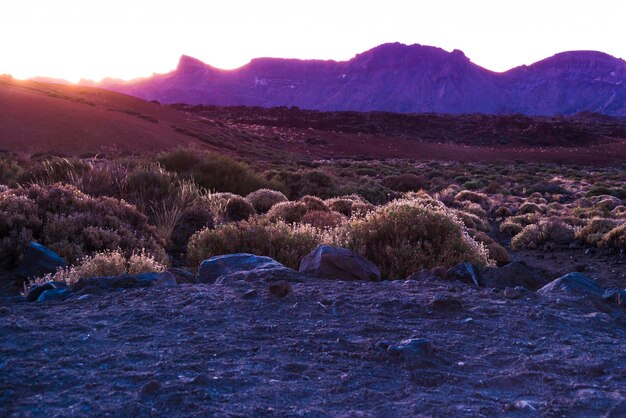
{"type": "Point", "coordinates": [414, 347]}
{"type": "Point", "coordinates": [280, 289]}
{"type": "Point", "coordinates": [5, 310]}
{"type": "Point", "coordinates": [150, 388]}
{"type": "Point", "coordinates": [250, 294]}
{"type": "Point", "coordinates": [442, 302]}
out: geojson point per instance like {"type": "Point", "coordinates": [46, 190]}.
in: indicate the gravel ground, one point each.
{"type": "Point", "coordinates": [324, 350]}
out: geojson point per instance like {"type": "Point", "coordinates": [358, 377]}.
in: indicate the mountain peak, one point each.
{"type": "Point", "coordinates": [187, 64]}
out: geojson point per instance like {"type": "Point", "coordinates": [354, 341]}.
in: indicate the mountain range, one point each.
{"type": "Point", "coordinates": [398, 78]}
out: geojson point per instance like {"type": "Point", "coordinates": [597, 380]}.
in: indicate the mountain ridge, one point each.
{"type": "Point", "coordinates": [398, 78]}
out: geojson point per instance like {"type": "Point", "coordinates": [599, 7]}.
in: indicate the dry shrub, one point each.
{"type": "Point", "coordinates": [285, 243]}
{"type": "Point", "coordinates": [107, 263]}
{"type": "Point", "coordinates": [552, 230]}
{"type": "Point", "coordinates": [324, 219]}
{"type": "Point", "coordinates": [474, 197]}
{"type": "Point", "coordinates": [405, 236]}
{"type": "Point", "coordinates": [192, 220]}
{"type": "Point", "coordinates": [264, 199]}
{"type": "Point", "coordinates": [596, 228]}
{"type": "Point", "coordinates": [530, 207]}
{"type": "Point", "coordinates": [502, 212]}
{"type": "Point", "coordinates": [72, 224]}
{"type": "Point", "coordinates": [360, 209]}
{"type": "Point", "coordinates": [608, 203]}
{"type": "Point", "coordinates": [238, 209]}
{"type": "Point", "coordinates": [473, 208]}
{"type": "Point", "coordinates": [471, 221]}
{"type": "Point", "coordinates": [496, 251]}
{"type": "Point", "coordinates": [524, 220]}
{"type": "Point", "coordinates": [510, 228]}
{"type": "Point", "coordinates": [314, 204]}
{"type": "Point", "coordinates": [615, 238]}
{"type": "Point", "coordinates": [341, 205]}
{"type": "Point", "coordinates": [289, 212]}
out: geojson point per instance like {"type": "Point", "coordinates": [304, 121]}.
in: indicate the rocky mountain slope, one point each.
{"type": "Point", "coordinates": [399, 78]}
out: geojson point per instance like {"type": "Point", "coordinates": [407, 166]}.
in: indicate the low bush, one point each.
{"type": "Point", "coordinates": [289, 212]}
{"type": "Point", "coordinates": [324, 219]}
{"type": "Point", "coordinates": [314, 204]}
{"type": "Point", "coordinates": [264, 199]}
{"type": "Point", "coordinates": [615, 238]}
{"type": "Point", "coordinates": [191, 221]}
{"type": "Point", "coordinates": [72, 224]}
{"type": "Point", "coordinates": [406, 236]}
{"type": "Point", "coordinates": [238, 209]}
{"type": "Point", "coordinates": [285, 243]}
{"type": "Point", "coordinates": [510, 228]}
{"type": "Point", "coordinates": [595, 229]}
{"type": "Point", "coordinates": [551, 230]}
{"type": "Point", "coordinates": [108, 263]}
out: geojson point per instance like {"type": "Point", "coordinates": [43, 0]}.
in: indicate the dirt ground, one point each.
{"type": "Point", "coordinates": [233, 349]}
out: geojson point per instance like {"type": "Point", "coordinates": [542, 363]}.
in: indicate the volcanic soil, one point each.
{"type": "Point", "coordinates": [329, 348]}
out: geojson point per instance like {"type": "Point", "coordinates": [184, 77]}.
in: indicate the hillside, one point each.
{"type": "Point", "coordinates": [39, 117]}
{"type": "Point", "coordinates": [399, 78]}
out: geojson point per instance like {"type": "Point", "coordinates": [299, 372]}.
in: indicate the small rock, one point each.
{"type": "Point", "coordinates": [411, 348]}
{"type": "Point", "coordinates": [250, 294]}
{"type": "Point", "coordinates": [616, 296]}
{"type": "Point", "coordinates": [423, 275]}
{"type": "Point", "coordinates": [580, 267]}
{"type": "Point", "coordinates": [90, 290]}
{"type": "Point", "coordinates": [85, 297]}
{"type": "Point", "coordinates": [439, 272]}
{"type": "Point", "coordinates": [4, 310]}
{"type": "Point", "coordinates": [201, 380]}
{"type": "Point", "coordinates": [338, 263]}
{"type": "Point", "coordinates": [443, 302]}
{"type": "Point", "coordinates": [53, 294]}
{"type": "Point", "coordinates": [465, 273]}
{"type": "Point", "coordinates": [280, 289]}
{"type": "Point", "coordinates": [37, 261]}
{"type": "Point", "coordinates": [150, 388]}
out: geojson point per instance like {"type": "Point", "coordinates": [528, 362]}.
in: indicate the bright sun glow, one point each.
{"type": "Point", "coordinates": [73, 39]}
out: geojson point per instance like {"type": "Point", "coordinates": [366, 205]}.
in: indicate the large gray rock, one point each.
{"type": "Point", "coordinates": [37, 261]}
{"type": "Point", "coordinates": [229, 264]}
{"type": "Point", "coordinates": [574, 283]}
{"type": "Point", "coordinates": [125, 281]}
{"type": "Point", "coordinates": [338, 263]}
{"type": "Point", "coordinates": [514, 274]}
{"type": "Point", "coordinates": [36, 290]}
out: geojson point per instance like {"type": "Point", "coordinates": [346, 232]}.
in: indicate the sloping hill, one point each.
{"type": "Point", "coordinates": [41, 117]}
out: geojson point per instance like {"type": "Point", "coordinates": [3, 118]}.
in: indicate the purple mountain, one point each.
{"type": "Point", "coordinates": [399, 78]}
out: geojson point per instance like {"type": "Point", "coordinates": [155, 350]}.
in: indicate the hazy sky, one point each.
{"type": "Point", "coordinates": [93, 39]}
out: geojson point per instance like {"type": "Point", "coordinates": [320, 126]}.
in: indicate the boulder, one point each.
{"type": "Point", "coordinates": [225, 265]}
{"type": "Point", "coordinates": [616, 296]}
{"type": "Point", "coordinates": [465, 273]}
{"type": "Point", "coordinates": [514, 274]}
{"type": "Point", "coordinates": [53, 294]}
{"type": "Point", "coordinates": [182, 275]}
{"type": "Point", "coordinates": [37, 261]}
{"type": "Point", "coordinates": [574, 283]}
{"type": "Point", "coordinates": [338, 263]}
{"type": "Point", "coordinates": [424, 275]}
{"type": "Point", "coordinates": [36, 290]}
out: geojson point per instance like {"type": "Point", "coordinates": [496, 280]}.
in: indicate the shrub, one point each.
{"type": "Point", "coordinates": [502, 212]}
{"type": "Point", "coordinates": [324, 219]}
{"type": "Point", "coordinates": [496, 251]}
{"type": "Point", "coordinates": [404, 182]}
{"type": "Point", "coordinates": [289, 212]}
{"type": "Point", "coordinates": [192, 220]}
{"type": "Point", "coordinates": [530, 207]}
{"type": "Point", "coordinates": [314, 204]}
{"type": "Point", "coordinates": [474, 197]}
{"type": "Point", "coordinates": [406, 236]}
{"type": "Point", "coordinates": [238, 209]}
{"type": "Point", "coordinates": [594, 231]}
{"type": "Point", "coordinates": [551, 230]}
{"type": "Point", "coordinates": [284, 243]}
{"type": "Point", "coordinates": [72, 224]}
{"type": "Point", "coordinates": [615, 238]}
{"type": "Point", "coordinates": [180, 160]}
{"type": "Point", "coordinates": [264, 199]}
{"type": "Point", "coordinates": [341, 205]}
{"type": "Point", "coordinates": [108, 263]}
{"type": "Point", "coordinates": [510, 228]}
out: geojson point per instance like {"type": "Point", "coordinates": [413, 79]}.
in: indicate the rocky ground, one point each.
{"type": "Point", "coordinates": [328, 348]}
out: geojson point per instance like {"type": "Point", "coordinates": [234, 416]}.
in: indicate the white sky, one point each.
{"type": "Point", "coordinates": [75, 39]}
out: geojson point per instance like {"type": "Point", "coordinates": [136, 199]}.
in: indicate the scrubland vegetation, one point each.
{"type": "Point", "coordinates": [133, 214]}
